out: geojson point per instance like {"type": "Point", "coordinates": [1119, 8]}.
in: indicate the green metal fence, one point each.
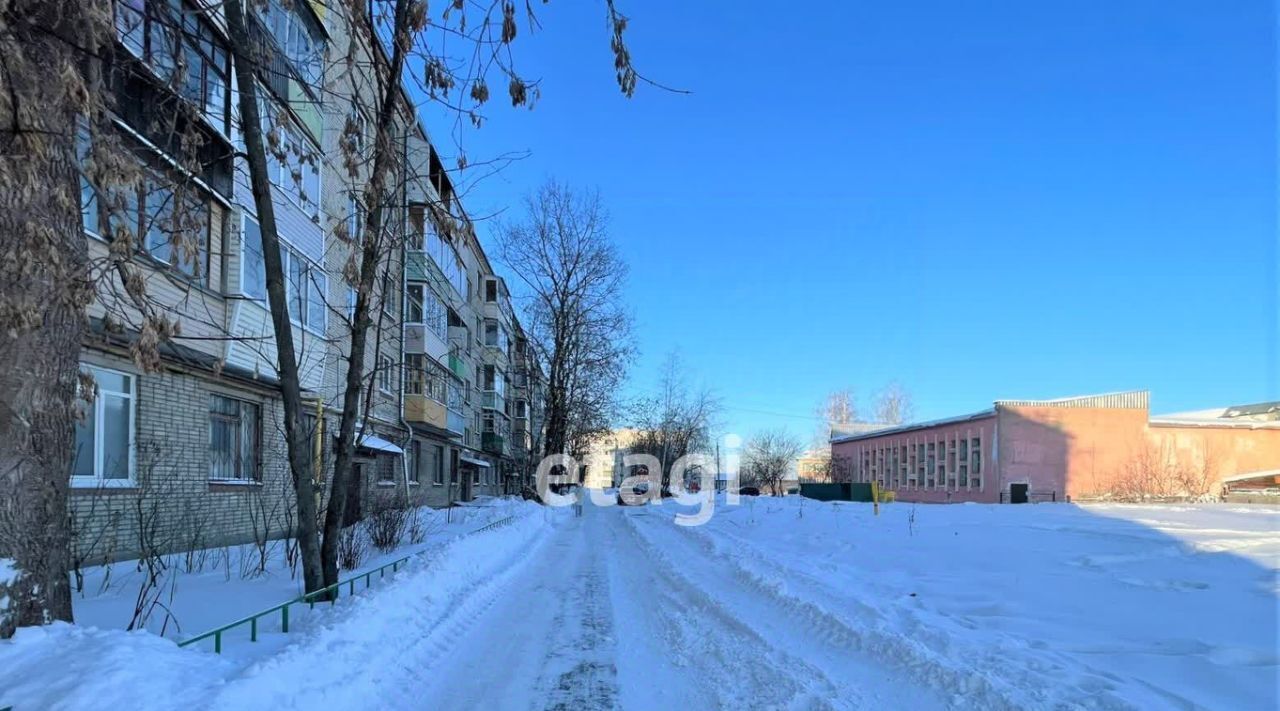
{"type": "Point", "coordinates": [328, 594]}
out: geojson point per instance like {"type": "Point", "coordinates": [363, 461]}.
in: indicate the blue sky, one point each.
{"type": "Point", "coordinates": [980, 200]}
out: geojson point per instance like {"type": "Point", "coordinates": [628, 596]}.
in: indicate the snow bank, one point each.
{"type": "Point", "coordinates": [65, 666]}
{"type": "Point", "coordinates": [1024, 606]}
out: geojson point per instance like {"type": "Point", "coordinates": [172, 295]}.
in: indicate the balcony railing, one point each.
{"type": "Point", "coordinates": [491, 400]}
{"type": "Point", "coordinates": [456, 422]}
{"type": "Point", "coordinates": [493, 443]}
{"type": "Point", "coordinates": [458, 366]}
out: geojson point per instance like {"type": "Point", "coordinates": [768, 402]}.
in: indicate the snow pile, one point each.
{"type": "Point", "coordinates": [62, 666]}
{"type": "Point", "coordinates": [65, 666]}
{"type": "Point", "coordinates": [1015, 606]}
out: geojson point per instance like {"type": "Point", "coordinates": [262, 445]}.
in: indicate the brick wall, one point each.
{"type": "Point", "coordinates": [171, 504]}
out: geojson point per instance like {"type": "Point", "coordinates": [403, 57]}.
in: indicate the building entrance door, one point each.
{"type": "Point", "coordinates": [1018, 493]}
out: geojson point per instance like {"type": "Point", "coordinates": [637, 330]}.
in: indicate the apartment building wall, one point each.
{"type": "Point", "coordinates": [175, 476]}
{"type": "Point", "coordinates": [170, 502]}
{"type": "Point", "coordinates": [189, 452]}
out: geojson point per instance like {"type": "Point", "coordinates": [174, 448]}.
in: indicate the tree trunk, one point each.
{"type": "Point", "coordinates": [44, 287]}
{"type": "Point", "coordinates": [298, 445]}
{"type": "Point", "coordinates": [371, 256]}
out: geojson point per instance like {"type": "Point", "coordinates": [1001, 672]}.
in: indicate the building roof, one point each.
{"type": "Point", "coordinates": [1125, 399]}
{"type": "Point", "coordinates": [1261, 415]}
{"type": "Point", "coordinates": [845, 429]}
{"type": "Point", "coordinates": [895, 429]}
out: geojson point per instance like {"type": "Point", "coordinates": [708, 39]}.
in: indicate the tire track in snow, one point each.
{"type": "Point", "coordinates": [738, 666]}
{"type": "Point", "coordinates": [919, 651]}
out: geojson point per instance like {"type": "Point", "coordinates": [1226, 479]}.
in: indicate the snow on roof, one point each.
{"type": "Point", "coordinates": [1212, 413]}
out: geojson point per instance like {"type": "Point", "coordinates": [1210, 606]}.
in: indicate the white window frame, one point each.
{"type": "Point", "coordinates": [310, 271]}
{"type": "Point", "coordinates": [97, 479]}
{"type": "Point", "coordinates": [385, 364]}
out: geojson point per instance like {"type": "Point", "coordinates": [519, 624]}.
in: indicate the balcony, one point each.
{"type": "Point", "coordinates": [419, 408]}
{"type": "Point", "coordinates": [456, 422]}
{"type": "Point", "coordinates": [458, 366]}
{"type": "Point", "coordinates": [493, 443]}
{"type": "Point", "coordinates": [491, 400]}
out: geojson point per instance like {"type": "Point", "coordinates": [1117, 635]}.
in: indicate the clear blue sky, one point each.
{"type": "Point", "coordinates": [979, 199]}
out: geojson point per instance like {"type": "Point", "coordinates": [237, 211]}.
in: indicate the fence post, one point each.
{"type": "Point", "coordinates": [284, 618]}
{"type": "Point", "coordinates": [253, 629]}
{"type": "Point", "coordinates": [217, 642]}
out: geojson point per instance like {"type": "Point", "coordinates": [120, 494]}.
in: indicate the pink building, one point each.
{"type": "Point", "coordinates": [1090, 447]}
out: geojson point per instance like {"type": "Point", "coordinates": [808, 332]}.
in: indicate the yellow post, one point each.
{"type": "Point", "coordinates": [317, 454]}
{"type": "Point", "coordinates": [875, 498]}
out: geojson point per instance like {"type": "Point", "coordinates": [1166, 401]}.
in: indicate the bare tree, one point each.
{"type": "Point", "coordinates": [893, 405]}
{"type": "Point", "coordinates": [675, 421]}
{"type": "Point", "coordinates": [768, 456]}
{"type": "Point", "coordinates": [839, 407]}
{"type": "Point", "coordinates": [561, 253]}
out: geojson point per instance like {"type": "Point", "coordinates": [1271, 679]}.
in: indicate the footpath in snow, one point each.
{"type": "Point", "coordinates": [777, 603]}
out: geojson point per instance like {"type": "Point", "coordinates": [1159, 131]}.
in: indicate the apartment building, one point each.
{"type": "Point", "coordinates": [190, 452]}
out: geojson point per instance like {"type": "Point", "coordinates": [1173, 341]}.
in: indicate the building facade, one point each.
{"type": "Point", "coordinates": [189, 451]}
{"type": "Point", "coordinates": [1078, 448]}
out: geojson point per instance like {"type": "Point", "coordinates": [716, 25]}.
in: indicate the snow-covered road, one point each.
{"type": "Point", "coordinates": [620, 608]}
{"type": "Point", "coordinates": [777, 604]}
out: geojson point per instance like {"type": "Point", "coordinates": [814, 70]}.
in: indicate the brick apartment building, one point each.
{"type": "Point", "coordinates": [1076, 448]}
{"type": "Point", "coordinates": [191, 453]}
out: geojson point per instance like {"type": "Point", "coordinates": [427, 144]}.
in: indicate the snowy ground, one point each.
{"type": "Point", "coordinates": [773, 604]}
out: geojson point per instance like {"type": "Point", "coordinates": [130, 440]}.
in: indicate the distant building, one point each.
{"type": "Point", "coordinates": [1089, 447]}
{"type": "Point", "coordinates": [602, 464]}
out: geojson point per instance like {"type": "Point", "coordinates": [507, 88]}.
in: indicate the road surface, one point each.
{"type": "Point", "coordinates": [621, 608]}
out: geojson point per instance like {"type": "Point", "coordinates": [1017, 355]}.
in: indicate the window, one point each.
{"type": "Point", "coordinates": [413, 460]}
{"type": "Point", "coordinates": [413, 304]}
{"type": "Point", "coordinates": [453, 467]}
{"type": "Point", "coordinates": [356, 135]}
{"type": "Point", "coordinates": [233, 439]}
{"type": "Point", "coordinates": [435, 315]}
{"type": "Point", "coordinates": [436, 380]}
{"type": "Point", "coordinates": [305, 283]}
{"type": "Point", "coordinates": [296, 171]}
{"type": "Point", "coordinates": [436, 462]}
{"type": "Point", "coordinates": [166, 213]}
{"type": "Point", "coordinates": [417, 223]}
{"type": "Point", "coordinates": [415, 374]}
{"type": "Point", "coordinates": [104, 442]}
{"type": "Point", "coordinates": [355, 218]}
{"type": "Point", "coordinates": [179, 44]}
{"type": "Point", "coordinates": [522, 408]}
{"type": "Point", "coordinates": [386, 468]}
{"type": "Point", "coordinates": [495, 335]}
{"type": "Point", "coordinates": [298, 39]}
{"type": "Point", "coordinates": [491, 290]}
{"type": "Point", "coordinates": [475, 479]}
{"type": "Point", "coordinates": [253, 272]}
{"type": "Point", "coordinates": [388, 296]}
{"type": "Point", "coordinates": [351, 302]}
{"type": "Point", "coordinates": [385, 380]}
